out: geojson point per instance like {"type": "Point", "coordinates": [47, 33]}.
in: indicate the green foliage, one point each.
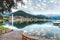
{"type": "Point", "coordinates": [1, 17]}
{"type": "Point", "coordinates": [3, 28]}
{"type": "Point", "coordinates": [4, 5]}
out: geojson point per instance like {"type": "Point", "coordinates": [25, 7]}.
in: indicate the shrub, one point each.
{"type": "Point", "coordinates": [1, 19]}
{"type": "Point", "coordinates": [3, 28]}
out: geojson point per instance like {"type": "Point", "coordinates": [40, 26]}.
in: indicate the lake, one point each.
{"type": "Point", "coordinates": [34, 27]}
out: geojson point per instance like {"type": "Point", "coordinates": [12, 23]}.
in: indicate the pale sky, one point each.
{"type": "Point", "coordinates": [44, 7]}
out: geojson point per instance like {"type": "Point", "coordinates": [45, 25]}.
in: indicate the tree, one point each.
{"type": "Point", "coordinates": [22, 3]}
{"type": "Point", "coordinates": [6, 5]}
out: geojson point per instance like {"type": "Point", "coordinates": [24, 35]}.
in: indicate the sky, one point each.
{"type": "Point", "coordinates": [40, 7]}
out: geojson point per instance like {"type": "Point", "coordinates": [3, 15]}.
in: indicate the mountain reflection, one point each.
{"type": "Point", "coordinates": [22, 25]}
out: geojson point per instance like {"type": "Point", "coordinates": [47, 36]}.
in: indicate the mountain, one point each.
{"type": "Point", "coordinates": [42, 16]}
{"type": "Point", "coordinates": [24, 14]}
{"type": "Point", "coordinates": [55, 17]}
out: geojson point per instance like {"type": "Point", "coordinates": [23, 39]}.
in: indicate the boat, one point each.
{"type": "Point", "coordinates": [56, 23]}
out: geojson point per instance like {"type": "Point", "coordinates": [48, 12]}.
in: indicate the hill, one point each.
{"type": "Point", "coordinates": [55, 17]}
{"type": "Point", "coordinates": [24, 14]}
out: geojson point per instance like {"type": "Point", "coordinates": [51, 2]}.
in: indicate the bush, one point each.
{"type": "Point", "coordinates": [3, 28]}
{"type": "Point", "coordinates": [1, 18]}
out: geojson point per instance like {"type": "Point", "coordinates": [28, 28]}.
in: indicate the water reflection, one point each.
{"type": "Point", "coordinates": [43, 29]}
{"type": "Point", "coordinates": [47, 30]}
{"type": "Point", "coordinates": [22, 25]}
{"type": "Point", "coordinates": [45, 26]}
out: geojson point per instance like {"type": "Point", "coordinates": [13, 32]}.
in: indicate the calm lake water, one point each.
{"type": "Point", "coordinates": [36, 26]}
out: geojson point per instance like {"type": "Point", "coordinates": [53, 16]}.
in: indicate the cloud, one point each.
{"type": "Point", "coordinates": [55, 1]}
{"type": "Point", "coordinates": [41, 7]}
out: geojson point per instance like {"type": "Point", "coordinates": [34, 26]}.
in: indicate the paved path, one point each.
{"type": "Point", "coordinates": [14, 35]}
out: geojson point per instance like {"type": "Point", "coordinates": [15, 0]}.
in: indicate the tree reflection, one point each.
{"type": "Point", "coordinates": [22, 25]}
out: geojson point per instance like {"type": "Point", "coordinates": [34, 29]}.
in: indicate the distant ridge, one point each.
{"type": "Point", "coordinates": [24, 14]}
{"type": "Point", "coordinates": [55, 17]}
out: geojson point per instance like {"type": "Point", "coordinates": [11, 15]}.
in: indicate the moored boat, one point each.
{"type": "Point", "coordinates": [56, 23]}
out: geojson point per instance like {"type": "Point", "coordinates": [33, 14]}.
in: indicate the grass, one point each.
{"type": "Point", "coordinates": [3, 28]}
